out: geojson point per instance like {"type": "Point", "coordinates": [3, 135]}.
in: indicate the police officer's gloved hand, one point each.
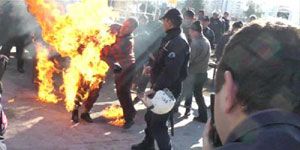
{"type": "Point", "coordinates": [117, 68]}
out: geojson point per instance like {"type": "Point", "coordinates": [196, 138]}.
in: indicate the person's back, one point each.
{"type": "Point", "coordinates": [218, 27]}
{"type": "Point", "coordinates": [200, 53]}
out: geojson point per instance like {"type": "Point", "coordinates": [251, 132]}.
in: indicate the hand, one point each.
{"type": "Point", "coordinates": [147, 70]}
{"type": "Point", "coordinates": [117, 68]}
{"type": "Point", "coordinates": [207, 142]}
{"type": "Point", "coordinates": [146, 98]}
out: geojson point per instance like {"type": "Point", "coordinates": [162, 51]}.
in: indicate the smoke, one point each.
{"type": "Point", "coordinates": [16, 21]}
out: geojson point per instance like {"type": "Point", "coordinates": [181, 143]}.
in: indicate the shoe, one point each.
{"type": "Point", "coordinates": [128, 124]}
{"type": "Point", "coordinates": [21, 70]}
{"type": "Point", "coordinates": [187, 112]}
{"type": "Point", "coordinates": [200, 119]}
{"type": "Point", "coordinates": [75, 117]}
{"type": "Point", "coordinates": [143, 146]}
{"type": "Point", "coordinates": [86, 117]}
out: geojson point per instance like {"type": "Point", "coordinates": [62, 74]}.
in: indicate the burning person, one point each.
{"type": "Point", "coordinates": [122, 53]}
{"type": "Point", "coordinates": [94, 93]}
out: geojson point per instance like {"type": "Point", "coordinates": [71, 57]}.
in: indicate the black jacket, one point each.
{"type": "Point", "coordinates": [169, 64]}
{"type": "Point", "coordinates": [221, 45]}
{"type": "Point", "coordinates": [217, 25]}
{"type": "Point", "coordinates": [210, 35]}
{"type": "Point", "coordinates": [266, 130]}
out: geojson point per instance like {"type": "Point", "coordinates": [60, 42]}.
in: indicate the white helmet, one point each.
{"type": "Point", "coordinates": [162, 102]}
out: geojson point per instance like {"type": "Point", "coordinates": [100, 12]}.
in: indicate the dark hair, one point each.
{"type": "Point", "coordinates": [201, 11]}
{"type": "Point", "coordinates": [176, 22]}
{"type": "Point", "coordinates": [206, 18]}
{"type": "Point", "coordinates": [237, 24]}
{"type": "Point", "coordinates": [264, 60]}
{"type": "Point", "coordinates": [227, 13]}
{"type": "Point", "coordinates": [189, 13]}
{"type": "Point", "coordinates": [196, 26]}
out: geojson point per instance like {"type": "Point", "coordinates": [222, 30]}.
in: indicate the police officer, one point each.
{"type": "Point", "coordinates": [167, 68]}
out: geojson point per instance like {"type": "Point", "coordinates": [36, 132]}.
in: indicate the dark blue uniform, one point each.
{"type": "Point", "coordinates": [169, 68]}
{"type": "Point", "coordinates": [266, 130]}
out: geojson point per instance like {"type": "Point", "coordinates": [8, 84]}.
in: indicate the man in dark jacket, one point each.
{"type": "Point", "coordinates": [257, 103]}
{"type": "Point", "coordinates": [168, 68]}
{"type": "Point", "coordinates": [226, 21]}
{"type": "Point", "coordinates": [208, 33]}
{"type": "Point", "coordinates": [225, 38]}
{"type": "Point", "coordinates": [217, 25]}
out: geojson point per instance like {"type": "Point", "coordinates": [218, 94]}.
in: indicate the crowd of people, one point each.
{"type": "Point", "coordinates": [257, 102]}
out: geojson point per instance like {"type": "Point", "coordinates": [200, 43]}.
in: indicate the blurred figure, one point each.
{"type": "Point", "coordinates": [3, 118]}
{"type": "Point", "coordinates": [225, 38]}
{"type": "Point", "coordinates": [217, 25]}
{"type": "Point", "coordinates": [156, 34]}
{"type": "Point", "coordinates": [12, 35]}
{"type": "Point", "coordinates": [188, 19]}
{"type": "Point", "coordinates": [257, 104]}
{"type": "Point", "coordinates": [208, 33]}
{"type": "Point", "coordinates": [197, 72]}
{"type": "Point", "coordinates": [201, 15]}
{"type": "Point", "coordinates": [226, 21]}
{"type": "Point", "coordinates": [168, 67]}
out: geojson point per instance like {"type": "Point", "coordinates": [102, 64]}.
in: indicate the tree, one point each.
{"type": "Point", "coordinates": [195, 4]}
{"type": "Point", "coordinates": [253, 9]}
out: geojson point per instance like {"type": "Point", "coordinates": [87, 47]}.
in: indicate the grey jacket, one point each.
{"type": "Point", "coordinates": [200, 53]}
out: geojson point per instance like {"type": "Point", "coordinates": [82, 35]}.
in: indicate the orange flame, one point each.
{"type": "Point", "coordinates": [46, 70]}
{"type": "Point", "coordinates": [115, 114]}
{"type": "Point", "coordinates": [79, 35]}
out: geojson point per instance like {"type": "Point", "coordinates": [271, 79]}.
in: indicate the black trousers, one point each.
{"type": "Point", "coordinates": [157, 128]}
{"type": "Point", "coordinates": [19, 42]}
{"type": "Point", "coordinates": [123, 83]}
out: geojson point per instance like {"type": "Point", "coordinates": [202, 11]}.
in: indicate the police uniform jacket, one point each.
{"type": "Point", "coordinates": [169, 64]}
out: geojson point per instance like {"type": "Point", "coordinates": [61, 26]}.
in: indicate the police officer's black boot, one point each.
{"type": "Point", "coordinates": [144, 145]}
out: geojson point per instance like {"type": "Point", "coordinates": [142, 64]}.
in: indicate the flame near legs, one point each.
{"type": "Point", "coordinates": [78, 35]}
{"type": "Point", "coordinates": [115, 114]}
{"type": "Point", "coordinates": [45, 76]}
